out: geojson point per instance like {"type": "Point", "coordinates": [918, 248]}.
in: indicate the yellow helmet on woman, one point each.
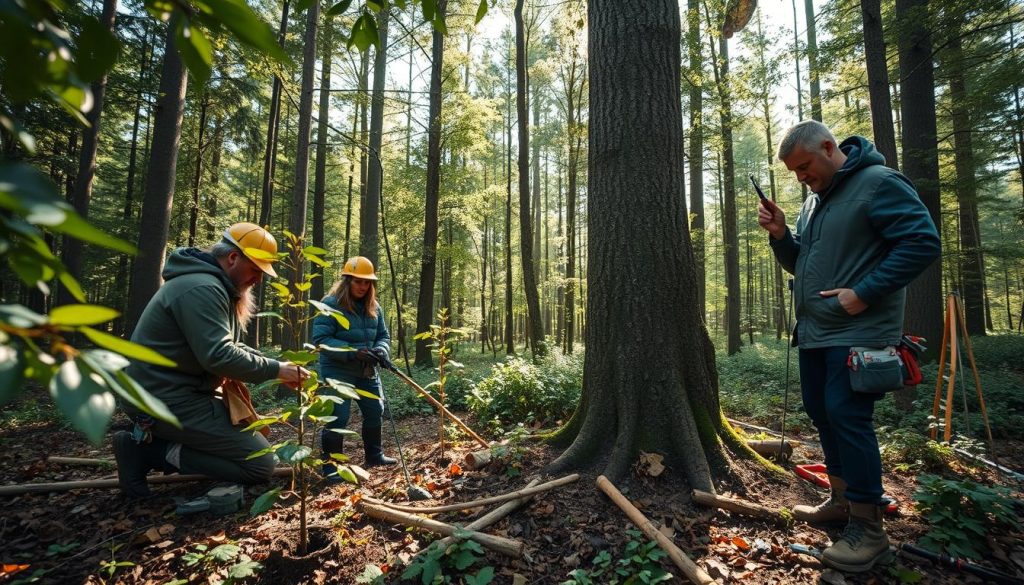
{"type": "Point", "coordinates": [359, 267]}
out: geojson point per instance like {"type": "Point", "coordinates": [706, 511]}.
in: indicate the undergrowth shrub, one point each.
{"type": "Point", "coordinates": [519, 391]}
{"type": "Point", "coordinates": [962, 514]}
{"type": "Point", "coordinates": [909, 450]}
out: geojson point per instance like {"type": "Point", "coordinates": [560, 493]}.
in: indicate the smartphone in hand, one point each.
{"type": "Point", "coordinates": [757, 188]}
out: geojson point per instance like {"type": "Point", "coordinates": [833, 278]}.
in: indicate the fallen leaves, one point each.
{"type": "Point", "coordinates": [651, 464]}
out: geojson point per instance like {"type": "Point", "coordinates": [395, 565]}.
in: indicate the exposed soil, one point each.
{"type": "Point", "coordinates": [562, 529]}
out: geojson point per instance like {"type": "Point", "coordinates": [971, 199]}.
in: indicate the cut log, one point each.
{"type": "Point", "coordinates": [694, 573]}
{"type": "Point", "coordinates": [478, 459]}
{"type": "Point", "coordinates": [64, 486]}
{"type": "Point", "coordinates": [80, 461]}
{"type": "Point", "coordinates": [529, 491]}
{"type": "Point", "coordinates": [507, 546]}
{"type": "Point", "coordinates": [738, 506]}
{"type": "Point", "coordinates": [771, 448]}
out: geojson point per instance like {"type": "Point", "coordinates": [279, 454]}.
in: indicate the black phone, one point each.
{"type": "Point", "coordinates": [757, 188]}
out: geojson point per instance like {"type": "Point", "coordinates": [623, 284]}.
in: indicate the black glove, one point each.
{"type": "Point", "coordinates": [382, 356]}
{"type": "Point", "coordinates": [367, 357]}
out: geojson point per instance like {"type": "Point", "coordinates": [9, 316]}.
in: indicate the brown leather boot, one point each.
{"type": "Point", "coordinates": [835, 509]}
{"type": "Point", "coordinates": [863, 543]}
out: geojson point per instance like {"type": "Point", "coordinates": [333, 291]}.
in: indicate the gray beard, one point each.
{"type": "Point", "coordinates": [245, 308]}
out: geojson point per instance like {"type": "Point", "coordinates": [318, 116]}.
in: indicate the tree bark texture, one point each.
{"type": "Point", "coordinates": [638, 245]}
{"type": "Point", "coordinates": [878, 81]}
{"type": "Point", "coordinates": [369, 213]}
{"type": "Point", "coordinates": [920, 157]}
{"type": "Point", "coordinates": [159, 194]}
{"type": "Point", "coordinates": [696, 142]}
{"type": "Point", "coordinates": [320, 174]}
{"type": "Point", "coordinates": [730, 232]}
{"type": "Point", "coordinates": [428, 261]}
{"type": "Point", "coordinates": [813, 72]}
{"type": "Point", "coordinates": [526, 241]}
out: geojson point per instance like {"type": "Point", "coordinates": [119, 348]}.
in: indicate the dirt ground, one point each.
{"type": "Point", "coordinates": [80, 536]}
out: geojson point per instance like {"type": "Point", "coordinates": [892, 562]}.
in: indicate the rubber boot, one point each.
{"type": "Point", "coordinates": [863, 543]}
{"type": "Point", "coordinates": [835, 509]}
{"type": "Point", "coordinates": [331, 442]}
{"type": "Point", "coordinates": [374, 453]}
{"type": "Point", "coordinates": [134, 462]}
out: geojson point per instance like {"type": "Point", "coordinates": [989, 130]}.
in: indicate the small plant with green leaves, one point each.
{"type": "Point", "coordinates": [962, 514]}
{"type": "Point", "coordinates": [108, 568]}
{"type": "Point", "coordinates": [909, 451]}
{"type": "Point", "coordinates": [226, 558]}
{"type": "Point", "coordinates": [449, 564]}
{"type": "Point", "coordinates": [442, 336]}
{"type": "Point", "coordinates": [311, 409]}
{"type": "Point", "coordinates": [510, 453]}
{"type": "Point", "coordinates": [640, 563]}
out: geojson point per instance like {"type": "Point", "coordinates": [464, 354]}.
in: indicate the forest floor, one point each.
{"type": "Point", "coordinates": [97, 536]}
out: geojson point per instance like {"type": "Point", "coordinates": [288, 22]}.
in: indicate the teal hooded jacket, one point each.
{"type": "Point", "coordinates": [363, 332]}
{"type": "Point", "coordinates": [870, 232]}
{"type": "Point", "coordinates": [191, 320]}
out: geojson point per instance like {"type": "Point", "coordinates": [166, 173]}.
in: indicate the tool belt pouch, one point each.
{"type": "Point", "coordinates": [874, 370]}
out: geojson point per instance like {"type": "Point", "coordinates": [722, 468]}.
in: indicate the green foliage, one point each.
{"type": "Point", "coordinates": [640, 563]}
{"type": "Point", "coordinates": [446, 565]}
{"type": "Point", "coordinates": [752, 384]}
{"type": "Point", "coordinates": [371, 574]}
{"type": "Point", "coordinates": [962, 514]}
{"type": "Point", "coordinates": [110, 567]}
{"type": "Point", "coordinates": [911, 451]}
{"type": "Point", "coordinates": [213, 560]}
{"type": "Point", "coordinates": [519, 391]}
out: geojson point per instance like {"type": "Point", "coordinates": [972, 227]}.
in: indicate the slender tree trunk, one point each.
{"type": "Point", "coordinates": [636, 204]}
{"type": "Point", "coordinates": [211, 197]}
{"type": "Point", "coordinates": [300, 194]}
{"type": "Point", "coordinates": [197, 177]}
{"type": "Point", "coordinates": [159, 194]}
{"type": "Point", "coordinates": [320, 176]}
{"type": "Point", "coordinates": [878, 81]}
{"type": "Point", "coordinates": [920, 158]}
{"type": "Point", "coordinates": [812, 60]}
{"type": "Point", "coordinates": [535, 327]}
{"type": "Point", "coordinates": [72, 256]}
{"type": "Point", "coordinates": [428, 261]}
{"type": "Point", "coordinates": [972, 262]}
{"type": "Point", "coordinates": [510, 347]}
{"type": "Point", "coordinates": [696, 158]}
{"type": "Point", "coordinates": [369, 213]}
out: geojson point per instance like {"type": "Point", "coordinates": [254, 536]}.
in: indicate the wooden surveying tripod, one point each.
{"type": "Point", "coordinates": [955, 320]}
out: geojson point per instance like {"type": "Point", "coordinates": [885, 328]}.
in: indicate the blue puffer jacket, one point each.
{"type": "Point", "coordinates": [364, 332]}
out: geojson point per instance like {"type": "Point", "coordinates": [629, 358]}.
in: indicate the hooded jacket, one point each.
{"type": "Point", "coordinates": [868, 231]}
{"type": "Point", "coordinates": [364, 332]}
{"type": "Point", "coordinates": [191, 320]}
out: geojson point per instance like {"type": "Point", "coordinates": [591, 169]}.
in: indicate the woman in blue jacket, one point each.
{"type": "Point", "coordinates": [355, 295]}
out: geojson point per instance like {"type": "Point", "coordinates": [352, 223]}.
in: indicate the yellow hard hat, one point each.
{"type": "Point", "coordinates": [256, 243]}
{"type": "Point", "coordinates": [359, 267]}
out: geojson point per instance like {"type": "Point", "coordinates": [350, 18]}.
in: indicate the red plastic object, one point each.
{"type": "Point", "coordinates": [816, 473]}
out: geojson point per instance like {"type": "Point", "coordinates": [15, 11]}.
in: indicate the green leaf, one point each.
{"type": "Point", "coordinates": [293, 454]}
{"type": "Point", "coordinates": [12, 371]}
{"type": "Point", "coordinates": [346, 473]}
{"type": "Point", "coordinates": [428, 7]}
{"type": "Point", "coordinates": [345, 433]}
{"type": "Point", "coordinates": [126, 348]}
{"type": "Point", "coordinates": [370, 574]}
{"type": "Point", "coordinates": [71, 285]}
{"type": "Point", "coordinates": [343, 389]}
{"type": "Point", "coordinates": [303, 286]}
{"type": "Point", "coordinates": [282, 290]}
{"type": "Point", "coordinates": [75, 315]}
{"type": "Point", "coordinates": [224, 552]}
{"type": "Point", "coordinates": [265, 502]}
{"type": "Point", "coordinates": [327, 310]}
{"type": "Point", "coordinates": [21, 317]}
{"type": "Point", "coordinates": [367, 394]}
{"type": "Point", "coordinates": [339, 8]}
{"type": "Point", "coordinates": [483, 576]}
{"type": "Point", "coordinates": [258, 254]}
{"type": "Point", "coordinates": [97, 50]}
{"type": "Point", "coordinates": [244, 570]}
{"type": "Point", "coordinates": [424, 335]}
{"type": "Point", "coordinates": [321, 407]}
{"type": "Point", "coordinates": [364, 32]}
{"type": "Point", "coordinates": [481, 11]}
{"type": "Point", "coordinates": [83, 398]}
{"type": "Point", "coordinates": [247, 27]}
{"type": "Point", "coordinates": [194, 49]}
{"type": "Point", "coordinates": [76, 227]}
{"type": "Point", "coordinates": [106, 360]}
{"type": "Point", "coordinates": [376, 5]}
{"type": "Point", "coordinates": [439, 23]}
{"type": "Point", "coordinates": [131, 391]}
{"type": "Point", "coordinates": [313, 249]}
{"type": "Point", "coordinates": [299, 357]}
{"type": "Point", "coordinates": [261, 423]}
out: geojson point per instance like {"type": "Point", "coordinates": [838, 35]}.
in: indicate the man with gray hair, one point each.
{"type": "Point", "coordinates": [861, 237]}
{"type": "Point", "coordinates": [196, 320]}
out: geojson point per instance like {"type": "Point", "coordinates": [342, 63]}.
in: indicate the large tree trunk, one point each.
{"type": "Point", "coordinates": [696, 158]}
{"type": "Point", "coordinates": [163, 163]}
{"type": "Point", "coordinates": [428, 261]}
{"type": "Point", "coordinates": [636, 207]}
{"type": "Point", "coordinates": [320, 175]}
{"type": "Point", "coordinates": [526, 242]}
{"type": "Point", "coordinates": [369, 213]}
{"type": "Point", "coordinates": [972, 263]}
{"type": "Point", "coordinates": [920, 159]}
{"type": "Point", "coordinates": [878, 81]}
{"type": "Point", "coordinates": [300, 195]}
{"type": "Point", "coordinates": [82, 194]}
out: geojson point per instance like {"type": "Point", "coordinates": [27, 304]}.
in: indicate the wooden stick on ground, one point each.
{"type": "Point", "coordinates": [687, 566]}
{"type": "Point", "coordinates": [80, 461]}
{"type": "Point", "coordinates": [64, 486]}
{"type": "Point", "coordinates": [738, 506]}
{"type": "Point", "coordinates": [490, 517]}
{"type": "Point", "coordinates": [513, 548]}
{"type": "Point", "coordinates": [529, 491]}
{"type": "Point", "coordinates": [412, 383]}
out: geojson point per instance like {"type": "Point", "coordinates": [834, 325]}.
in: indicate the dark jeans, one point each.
{"type": "Point", "coordinates": [844, 422]}
{"type": "Point", "coordinates": [371, 409]}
